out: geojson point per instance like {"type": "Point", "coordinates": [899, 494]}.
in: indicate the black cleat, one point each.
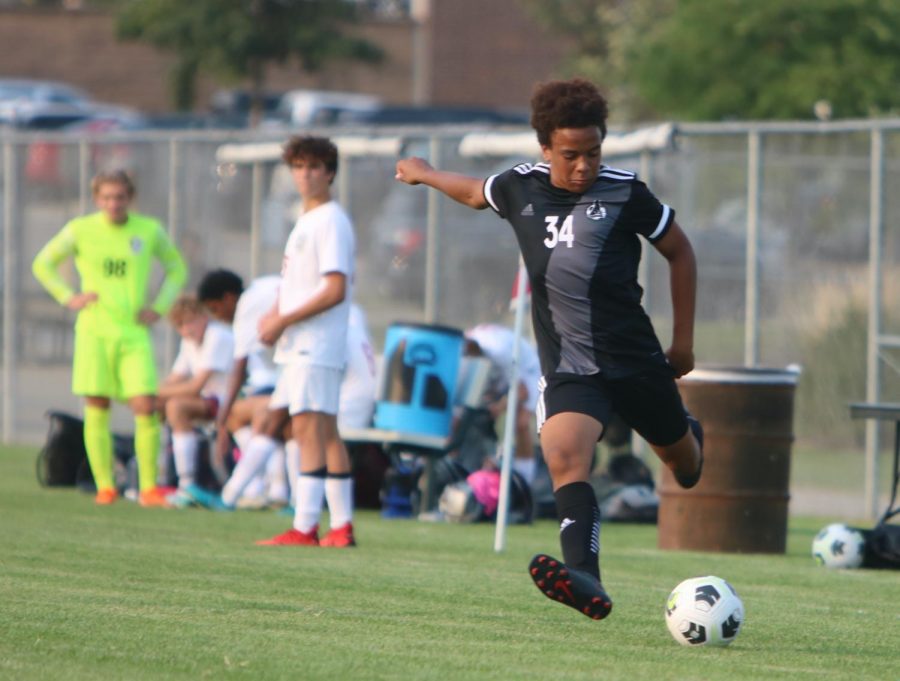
{"type": "Point", "coordinates": [690, 480]}
{"type": "Point", "coordinates": [574, 588]}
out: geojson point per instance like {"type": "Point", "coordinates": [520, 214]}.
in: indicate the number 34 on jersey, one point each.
{"type": "Point", "coordinates": [556, 233]}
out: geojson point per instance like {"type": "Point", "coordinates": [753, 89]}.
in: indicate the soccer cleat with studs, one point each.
{"type": "Point", "coordinates": [106, 496]}
{"type": "Point", "coordinates": [207, 499]}
{"type": "Point", "coordinates": [293, 538]}
{"type": "Point", "coordinates": [153, 498]}
{"type": "Point", "coordinates": [575, 588]}
{"type": "Point", "coordinates": [339, 537]}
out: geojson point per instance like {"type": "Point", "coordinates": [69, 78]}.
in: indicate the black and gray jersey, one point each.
{"type": "Point", "coordinates": [582, 253]}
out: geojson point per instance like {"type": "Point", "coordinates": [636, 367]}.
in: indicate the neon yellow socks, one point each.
{"type": "Point", "coordinates": [98, 443]}
{"type": "Point", "coordinates": [146, 448]}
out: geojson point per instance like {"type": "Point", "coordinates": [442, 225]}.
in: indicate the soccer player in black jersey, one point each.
{"type": "Point", "coordinates": [577, 223]}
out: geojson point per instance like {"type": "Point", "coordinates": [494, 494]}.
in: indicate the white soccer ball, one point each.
{"type": "Point", "coordinates": [704, 611]}
{"type": "Point", "coordinates": [839, 546]}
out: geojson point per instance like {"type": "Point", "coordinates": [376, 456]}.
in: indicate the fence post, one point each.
{"type": "Point", "coordinates": [432, 263]}
{"type": "Point", "coordinates": [873, 342]}
{"type": "Point", "coordinates": [256, 182]}
{"type": "Point", "coordinates": [10, 271]}
{"type": "Point", "coordinates": [84, 180]}
{"type": "Point", "coordinates": [172, 224]}
{"type": "Point", "coordinates": [751, 285]}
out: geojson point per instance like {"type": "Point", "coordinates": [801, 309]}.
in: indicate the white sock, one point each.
{"type": "Point", "coordinates": [184, 448]}
{"type": "Point", "coordinates": [242, 437]}
{"type": "Point", "coordinates": [252, 463]}
{"type": "Point", "coordinates": [276, 477]}
{"type": "Point", "coordinates": [339, 493]}
{"type": "Point", "coordinates": [308, 504]}
{"type": "Point", "coordinates": [256, 488]}
{"type": "Point", "coordinates": [292, 463]}
{"type": "Point", "coordinates": [525, 468]}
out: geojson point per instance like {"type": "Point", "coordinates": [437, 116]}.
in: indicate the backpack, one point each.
{"type": "Point", "coordinates": [63, 452]}
{"type": "Point", "coordinates": [475, 498]}
{"type": "Point", "coordinates": [625, 491]}
{"type": "Point", "coordinates": [62, 461]}
{"type": "Point", "coordinates": [882, 547]}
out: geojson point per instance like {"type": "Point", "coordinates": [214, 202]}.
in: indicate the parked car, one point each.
{"type": "Point", "coordinates": [433, 115]}
{"type": "Point", "coordinates": [234, 105]}
{"type": "Point", "coordinates": [22, 100]}
{"type": "Point", "coordinates": [320, 107]}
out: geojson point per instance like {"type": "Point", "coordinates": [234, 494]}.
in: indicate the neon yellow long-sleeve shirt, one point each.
{"type": "Point", "coordinates": [116, 263]}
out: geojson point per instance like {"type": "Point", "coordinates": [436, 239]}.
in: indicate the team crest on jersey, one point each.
{"type": "Point", "coordinates": [596, 211]}
{"type": "Point", "coordinates": [136, 245]}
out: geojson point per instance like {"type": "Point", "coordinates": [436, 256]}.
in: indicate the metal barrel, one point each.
{"type": "Point", "coordinates": [740, 504]}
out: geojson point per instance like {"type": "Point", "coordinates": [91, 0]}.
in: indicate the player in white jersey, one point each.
{"type": "Point", "coordinates": [252, 380]}
{"type": "Point", "coordinates": [223, 294]}
{"type": "Point", "coordinates": [359, 386]}
{"type": "Point", "coordinates": [198, 381]}
{"type": "Point", "coordinates": [496, 343]}
{"type": "Point", "coordinates": [309, 326]}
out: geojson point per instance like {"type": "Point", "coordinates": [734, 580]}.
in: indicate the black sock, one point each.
{"type": "Point", "coordinates": [579, 526]}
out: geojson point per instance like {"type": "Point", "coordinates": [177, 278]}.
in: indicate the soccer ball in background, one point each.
{"type": "Point", "coordinates": [704, 611]}
{"type": "Point", "coordinates": [839, 546]}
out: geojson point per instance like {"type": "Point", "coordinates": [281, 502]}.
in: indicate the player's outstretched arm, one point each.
{"type": "Point", "coordinates": [467, 190]}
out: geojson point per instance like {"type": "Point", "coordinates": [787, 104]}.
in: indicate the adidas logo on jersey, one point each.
{"type": "Point", "coordinates": [596, 211]}
{"type": "Point", "coordinates": [527, 210]}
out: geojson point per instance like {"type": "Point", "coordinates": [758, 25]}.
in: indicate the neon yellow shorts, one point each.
{"type": "Point", "coordinates": [119, 367]}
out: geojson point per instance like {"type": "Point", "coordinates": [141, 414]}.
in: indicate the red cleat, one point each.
{"type": "Point", "coordinates": [105, 497]}
{"type": "Point", "coordinates": [153, 498]}
{"type": "Point", "coordinates": [293, 538]}
{"type": "Point", "coordinates": [339, 537]}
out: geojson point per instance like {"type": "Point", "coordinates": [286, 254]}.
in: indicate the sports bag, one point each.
{"type": "Point", "coordinates": [62, 461]}
{"type": "Point", "coordinates": [63, 452]}
{"type": "Point", "coordinates": [882, 547]}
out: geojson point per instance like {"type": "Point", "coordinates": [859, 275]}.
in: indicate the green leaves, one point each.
{"type": "Point", "coordinates": [733, 59]}
{"type": "Point", "coordinates": [237, 39]}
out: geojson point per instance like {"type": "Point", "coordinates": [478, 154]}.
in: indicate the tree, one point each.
{"type": "Point", "coordinates": [597, 35]}
{"type": "Point", "coordinates": [738, 59]}
{"type": "Point", "coordinates": [240, 39]}
{"type": "Point", "coordinates": [765, 59]}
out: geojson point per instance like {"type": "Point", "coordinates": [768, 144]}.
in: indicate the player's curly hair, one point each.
{"type": "Point", "coordinates": [216, 283]}
{"type": "Point", "coordinates": [309, 147]}
{"type": "Point", "coordinates": [572, 103]}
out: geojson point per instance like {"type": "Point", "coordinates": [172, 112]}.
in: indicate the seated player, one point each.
{"type": "Point", "coordinates": [251, 382]}
{"type": "Point", "coordinates": [196, 385]}
{"type": "Point", "coordinates": [495, 342]}
{"type": "Point", "coordinates": [356, 406]}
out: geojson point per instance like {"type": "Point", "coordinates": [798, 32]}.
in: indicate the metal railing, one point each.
{"type": "Point", "coordinates": [789, 220]}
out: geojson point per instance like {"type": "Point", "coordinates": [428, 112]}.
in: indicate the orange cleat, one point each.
{"type": "Point", "coordinates": [106, 496]}
{"type": "Point", "coordinates": [293, 538]}
{"type": "Point", "coordinates": [153, 498]}
{"type": "Point", "coordinates": [339, 537]}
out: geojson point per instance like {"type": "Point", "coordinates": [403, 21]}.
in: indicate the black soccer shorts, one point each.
{"type": "Point", "coordinates": [647, 401]}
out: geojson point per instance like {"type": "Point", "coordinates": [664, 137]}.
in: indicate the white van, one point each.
{"type": "Point", "coordinates": [322, 107]}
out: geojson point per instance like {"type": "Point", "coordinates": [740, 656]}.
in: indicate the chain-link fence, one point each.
{"type": "Point", "coordinates": [802, 199]}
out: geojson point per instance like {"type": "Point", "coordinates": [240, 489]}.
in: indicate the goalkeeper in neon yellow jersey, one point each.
{"type": "Point", "coordinates": [114, 250]}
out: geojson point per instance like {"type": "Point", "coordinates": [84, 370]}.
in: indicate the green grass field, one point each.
{"type": "Point", "coordinates": [127, 593]}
